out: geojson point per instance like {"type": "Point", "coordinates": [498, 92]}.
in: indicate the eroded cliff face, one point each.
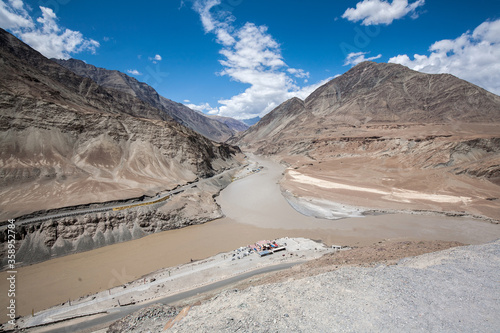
{"type": "Point", "coordinates": [473, 156]}
{"type": "Point", "coordinates": [49, 239]}
{"type": "Point", "coordinates": [51, 157]}
{"type": "Point", "coordinates": [458, 176]}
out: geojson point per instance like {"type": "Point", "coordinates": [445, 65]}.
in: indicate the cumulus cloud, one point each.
{"type": "Point", "coordinates": [355, 58]}
{"type": "Point", "coordinates": [250, 56]}
{"type": "Point", "coordinates": [473, 57]}
{"type": "Point", "coordinates": [134, 72]}
{"type": "Point", "coordinates": [373, 12]}
{"type": "Point", "coordinates": [43, 34]}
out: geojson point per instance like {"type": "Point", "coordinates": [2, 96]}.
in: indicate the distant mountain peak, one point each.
{"type": "Point", "coordinates": [234, 124]}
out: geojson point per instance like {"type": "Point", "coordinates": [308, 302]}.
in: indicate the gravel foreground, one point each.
{"type": "Point", "coordinates": [455, 290]}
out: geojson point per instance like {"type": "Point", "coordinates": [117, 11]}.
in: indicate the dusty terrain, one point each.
{"type": "Point", "coordinates": [255, 209]}
{"type": "Point", "coordinates": [57, 237]}
{"type": "Point", "coordinates": [455, 290]}
{"type": "Point", "coordinates": [65, 140]}
{"type": "Point", "coordinates": [380, 253]}
{"type": "Point", "coordinates": [173, 280]}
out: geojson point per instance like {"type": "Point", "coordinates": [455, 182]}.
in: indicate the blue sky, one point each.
{"type": "Point", "coordinates": [242, 58]}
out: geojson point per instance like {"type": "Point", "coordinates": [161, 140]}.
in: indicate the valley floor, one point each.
{"type": "Point", "coordinates": [255, 209]}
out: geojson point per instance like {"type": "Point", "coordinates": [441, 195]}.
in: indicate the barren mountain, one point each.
{"type": "Point", "coordinates": [372, 94]}
{"type": "Point", "coordinates": [119, 81]}
{"type": "Point", "coordinates": [385, 137]}
{"type": "Point", "coordinates": [65, 140]}
{"type": "Point", "coordinates": [234, 124]}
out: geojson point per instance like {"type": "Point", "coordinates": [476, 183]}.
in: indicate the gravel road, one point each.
{"type": "Point", "coordinates": [456, 290]}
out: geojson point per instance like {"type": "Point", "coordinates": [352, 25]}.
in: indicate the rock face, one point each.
{"type": "Point", "coordinates": [57, 237]}
{"type": "Point", "coordinates": [65, 140]}
{"type": "Point", "coordinates": [381, 128]}
{"type": "Point", "coordinates": [145, 320]}
{"type": "Point", "coordinates": [112, 79]}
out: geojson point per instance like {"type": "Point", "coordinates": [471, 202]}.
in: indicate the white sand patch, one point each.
{"type": "Point", "coordinates": [300, 178]}
{"type": "Point", "coordinates": [407, 194]}
{"type": "Point", "coordinates": [395, 195]}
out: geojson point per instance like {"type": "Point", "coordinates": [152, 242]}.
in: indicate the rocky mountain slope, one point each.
{"type": "Point", "coordinates": [65, 140]}
{"type": "Point", "coordinates": [383, 128]}
{"type": "Point", "coordinates": [119, 81]}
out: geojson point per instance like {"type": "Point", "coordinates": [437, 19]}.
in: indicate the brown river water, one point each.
{"type": "Point", "coordinates": [255, 210]}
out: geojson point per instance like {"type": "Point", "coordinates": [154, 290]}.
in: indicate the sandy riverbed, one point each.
{"type": "Point", "coordinates": [255, 210]}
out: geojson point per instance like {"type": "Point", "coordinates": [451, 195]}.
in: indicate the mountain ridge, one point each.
{"type": "Point", "coordinates": [119, 81]}
{"type": "Point", "coordinates": [372, 93]}
{"type": "Point", "coordinates": [234, 124]}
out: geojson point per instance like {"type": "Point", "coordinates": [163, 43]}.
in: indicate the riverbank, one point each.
{"type": "Point", "coordinates": [175, 280]}
{"type": "Point", "coordinates": [326, 209]}
{"type": "Point", "coordinates": [351, 186]}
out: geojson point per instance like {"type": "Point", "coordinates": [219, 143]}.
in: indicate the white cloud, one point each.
{"type": "Point", "coordinates": [155, 59]}
{"type": "Point", "coordinates": [43, 34]}
{"type": "Point", "coordinates": [472, 56]}
{"type": "Point", "coordinates": [373, 12]}
{"type": "Point", "coordinates": [250, 56]}
{"type": "Point", "coordinates": [14, 16]}
{"type": "Point", "coordinates": [134, 72]}
{"type": "Point", "coordinates": [355, 58]}
{"type": "Point", "coordinates": [17, 4]}
{"type": "Point", "coordinates": [299, 73]}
